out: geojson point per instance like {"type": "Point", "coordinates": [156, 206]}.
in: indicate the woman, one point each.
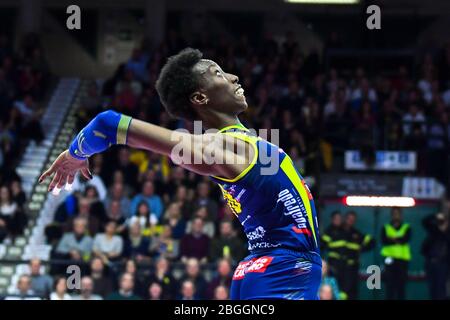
{"type": "Point", "coordinates": [108, 246]}
{"type": "Point", "coordinates": [147, 220]}
{"type": "Point", "coordinates": [60, 292]}
{"type": "Point", "coordinates": [11, 216]}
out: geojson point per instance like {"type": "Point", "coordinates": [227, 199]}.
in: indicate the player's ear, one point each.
{"type": "Point", "coordinates": [198, 98]}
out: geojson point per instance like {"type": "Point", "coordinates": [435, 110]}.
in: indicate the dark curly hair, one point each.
{"type": "Point", "coordinates": [177, 81]}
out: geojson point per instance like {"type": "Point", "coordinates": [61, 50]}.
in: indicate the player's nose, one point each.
{"type": "Point", "coordinates": [233, 78]}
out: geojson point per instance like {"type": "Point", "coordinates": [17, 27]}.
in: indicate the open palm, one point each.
{"type": "Point", "coordinates": [65, 167]}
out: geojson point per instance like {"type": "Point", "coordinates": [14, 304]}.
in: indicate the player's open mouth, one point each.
{"type": "Point", "coordinates": [239, 92]}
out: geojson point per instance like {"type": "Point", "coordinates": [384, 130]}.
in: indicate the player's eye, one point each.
{"type": "Point", "coordinates": [218, 73]}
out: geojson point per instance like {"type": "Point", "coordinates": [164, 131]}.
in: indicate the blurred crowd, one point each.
{"type": "Point", "coordinates": [342, 245]}
{"type": "Point", "coordinates": [143, 228]}
{"type": "Point", "coordinates": [24, 79]}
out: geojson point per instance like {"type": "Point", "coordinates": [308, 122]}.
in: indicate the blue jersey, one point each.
{"type": "Point", "coordinates": [275, 207]}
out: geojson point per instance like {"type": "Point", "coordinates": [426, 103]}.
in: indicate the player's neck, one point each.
{"type": "Point", "coordinates": [219, 120]}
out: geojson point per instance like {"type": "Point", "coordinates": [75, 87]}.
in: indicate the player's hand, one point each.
{"type": "Point", "coordinates": [65, 167]}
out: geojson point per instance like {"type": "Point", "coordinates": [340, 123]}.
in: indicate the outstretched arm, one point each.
{"type": "Point", "coordinates": [190, 151]}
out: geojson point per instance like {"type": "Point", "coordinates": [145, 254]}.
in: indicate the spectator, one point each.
{"type": "Point", "coordinates": [414, 115]}
{"type": "Point", "coordinates": [129, 170]}
{"type": "Point", "coordinates": [326, 292]}
{"type": "Point", "coordinates": [76, 245]}
{"type": "Point", "coordinates": [41, 283]}
{"type": "Point", "coordinates": [117, 193]}
{"type": "Point", "coordinates": [108, 246]}
{"type": "Point", "coordinates": [196, 243]}
{"type": "Point", "coordinates": [103, 285]}
{"type": "Point", "coordinates": [12, 219]}
{"type": "Point", "coordinates": [328, 280]}
{"type": "Point", "coordinates": [436, 250]}
{"type": "Point", "coordinates": [86, 290]}
{"type": "Point", "coordinates": [155, 291]}
{"type": "Point", "coordinates": [140, 289]}
{"type": "Point", "coordinates": [221, 293]}
{"type": "Point", "coordinates": [192, 273]}
{"type": "Point", "coordinates": [396, 252]}
{"type": "Point", "coordinates": [92, 193]}
{"type": "Point", "coordinates": [227, 245]}
{"type": "Point", "coordinates": [223, 278]}
{"type": "Point", "coordinates": [30, 115]}
{"type": "Point", "coordinates": [204, 200]}
{"type": "Point", "coordinates": [148, 195]}
{"type": "Point", "coordinates": [208, 225]}
{"type": "Point", "coordinates": [136, 246]}
{"type": "Point", "coordinates": [163, 276]}
{"type": "Point", "coordinates": [118, 178]}
{"type": "Point", "coordinates": [93, 189]}
{"type": "Point", "coordinates": [146, 220]}
{"type": "Point", "coordinates": [60, 290]}
{"type": "Point", "coordinates": [18, 195]}
{"type": "Point", "coordinates": [115, 215]}
{"type": "Point", "coordinates": [84, 211]}
{"type": "Point", "coordinates": [68, 209]}
{"type": "Point", "coordinates": [24, 290]}
{"type": "Point", "coordinates": [126, 287]}
{"type": "Point", "coordinates": [174, 219]}
{"type": "Point", "coordinates": [182, 197]}
{"type": "Point", "coordinates": [165, 245]}
{"type": "Point", "coordinates": [187, 291]}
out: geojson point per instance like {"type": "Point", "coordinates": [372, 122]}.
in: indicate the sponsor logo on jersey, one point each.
{"type": "Point", "coordinates": [262, 245]}
{"type": "Point", "coordinates": [257, 265]}
{"type": "Point", "coordinates": [258, 233]}
{"type": "Point", "coordinates": [294, 208]}
{"type": "Point", "coordinates": [234, 204]}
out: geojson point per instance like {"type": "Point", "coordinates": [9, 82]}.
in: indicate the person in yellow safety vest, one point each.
{"type": "Point", "coordinates": [333, 244]}
{"type": "Point", "coordinates": [355, 243]}
{"type": "Point", "coordinates": [396, 251]}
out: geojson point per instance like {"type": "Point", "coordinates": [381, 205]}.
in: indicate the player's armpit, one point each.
{"type": "Point", "coordinates": [212, 154]}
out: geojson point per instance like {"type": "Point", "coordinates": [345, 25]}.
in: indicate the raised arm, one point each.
{"type": "Point", "coordinates": [190, 151]}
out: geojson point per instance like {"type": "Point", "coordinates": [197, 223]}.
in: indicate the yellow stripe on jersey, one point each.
{"type": "Point", "coordinates": [252, 142]}
{"type": "Point", "coordinates": [234, 126]}
{"type": "Point", "coordinates": [289, 169]}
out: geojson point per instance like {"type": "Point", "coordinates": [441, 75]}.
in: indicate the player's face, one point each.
{"type": "Point", "coordinates": [221, 90]}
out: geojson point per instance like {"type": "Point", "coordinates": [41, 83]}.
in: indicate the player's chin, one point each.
{"type": "Point", "coordinates": [243, 105]}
